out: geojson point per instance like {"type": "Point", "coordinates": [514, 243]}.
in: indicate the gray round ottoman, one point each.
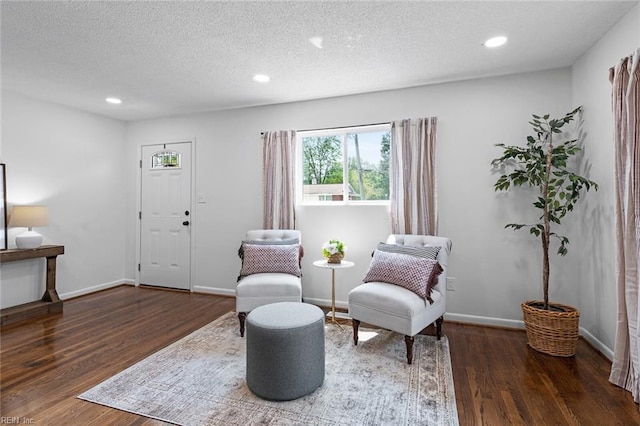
{"type": "Point", "coordinates": [285, 350]}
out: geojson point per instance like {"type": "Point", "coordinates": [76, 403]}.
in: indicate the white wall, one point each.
{"type": "Point", "coordinates": [73, 162]}
{"type": "Point", "coordinates": [495, 269]}
{"type": "Point", "coordinates": [592, 89]}
{"type": "Point", "coordinates": [78, 164]}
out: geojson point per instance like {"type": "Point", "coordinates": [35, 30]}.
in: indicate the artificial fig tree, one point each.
{"type": "Point", "coordinates": [543, 164]}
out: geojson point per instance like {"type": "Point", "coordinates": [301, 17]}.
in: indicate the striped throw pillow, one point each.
{"type": "Point", "coordinates": [428, 252]}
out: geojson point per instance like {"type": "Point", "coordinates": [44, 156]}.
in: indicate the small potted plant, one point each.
{"type": "Point", "coordinates": [543, 165]}
{"type": "Point", "coordinates": [333, 251]}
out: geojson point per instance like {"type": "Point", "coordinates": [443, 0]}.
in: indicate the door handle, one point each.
{"type": "Point", "coordinates": [185, 223]}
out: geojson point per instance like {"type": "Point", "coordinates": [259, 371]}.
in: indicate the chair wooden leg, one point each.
{"type": "Point", "coordinates": [242, 316]}
{"type": "Point", "coordinates": [439, 327]}
{"type": "Point", "coordinates": [356, 324]}
{"type": "Point", "coordinates": [409, 341]}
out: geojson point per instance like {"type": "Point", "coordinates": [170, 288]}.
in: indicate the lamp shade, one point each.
{"type": "Point", "coordinates": [29, 216]}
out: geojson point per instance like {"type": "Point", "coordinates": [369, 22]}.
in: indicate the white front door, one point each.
{"type": "Point", "coordinates": [165, 215]}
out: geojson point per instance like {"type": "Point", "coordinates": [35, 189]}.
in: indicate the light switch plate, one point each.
{"type": "Point", "coordinates": [451, 284]}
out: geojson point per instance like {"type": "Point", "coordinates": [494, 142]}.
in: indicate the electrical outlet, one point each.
{"type": "Point", "coordinates": [451, 286]}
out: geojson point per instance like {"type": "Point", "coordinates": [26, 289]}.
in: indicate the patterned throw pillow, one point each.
{"type": "Point", "coordinates": [428, 252]}
{"type": "Point", "coordinates": [267, 242]}
{"type": "Point", "coordinates": [411, 272]}
{"type": "Point", "coordinates": [260, 258]}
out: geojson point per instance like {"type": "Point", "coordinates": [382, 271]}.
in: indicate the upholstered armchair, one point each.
{"type": "Point", "coordinates": [404, 289]}
{"type": "Point", "coordinates": [271, 270]}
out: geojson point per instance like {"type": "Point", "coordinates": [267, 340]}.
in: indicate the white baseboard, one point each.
{"type": "Point", "coordinates": [506, 323]}
{"type": "Point", "coordinates": [596, 343]}
{"type": "Point", "coordinates": [325, 302]}
{"type": "Point", "coordinates": [213, 290]}
{"type": "Point", "coordinates": [462, 318]}
{"type": "Point", "coordinates": [95, 288]}
{"type": "Point", "coordinates": [474, 319]}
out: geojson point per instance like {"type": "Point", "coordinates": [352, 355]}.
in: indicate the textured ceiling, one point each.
{"type": "Point", "coordinates": [174, 57]}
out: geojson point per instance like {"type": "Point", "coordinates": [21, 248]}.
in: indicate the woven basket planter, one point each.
{"type": "Point", "coordinates": [551, 332]}
{"type": "Point", "coordinates": [335, 258]}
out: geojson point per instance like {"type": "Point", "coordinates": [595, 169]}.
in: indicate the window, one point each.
{"type": "Point", "coordinates": [345, 164]}
{"type": "Point", "coordinates": [163, 159]}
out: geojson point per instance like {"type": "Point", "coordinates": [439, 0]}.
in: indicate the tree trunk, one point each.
{"type": "Point", "coordinates": [359, 161]}
{"type": "Point", "coordinates": [546, 233]}
{"type": "Point", "coordinates": [545, 265]}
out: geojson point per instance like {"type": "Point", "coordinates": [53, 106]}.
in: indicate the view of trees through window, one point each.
{"type": "Point", "coordinates": [359, 158]}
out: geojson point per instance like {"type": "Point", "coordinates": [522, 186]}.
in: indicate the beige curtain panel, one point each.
{"type": "Point", "coordinates": [412, 177]}
{"type": "Point", "coordinates": [278, 179]}
{"type": "Point", "coordinates": [625, 80]}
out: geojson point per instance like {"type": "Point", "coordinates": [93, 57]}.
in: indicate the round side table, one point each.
{"type": "Point", "coordinates": [333, 266]}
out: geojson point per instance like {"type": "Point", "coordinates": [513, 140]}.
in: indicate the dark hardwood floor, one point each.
{"type": "Point", "coordinates": [47, 362]}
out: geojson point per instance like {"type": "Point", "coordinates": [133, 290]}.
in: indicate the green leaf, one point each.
{"type": "Point", "coordinates": [527, 166]}
{"type": "Point", "coordinates": [515, 226]}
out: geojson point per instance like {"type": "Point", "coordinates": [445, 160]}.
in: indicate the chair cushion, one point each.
{"type": "Point", "coordinates": [394, 307]}
{"type": "Point", "coordinates": [260, 289]}
{"type": "Point", "coordinates": [390, 299]}
{"type": "Point", "coordinates": [414, 273]}
{"type": "Point", "coordinates": [270, 258]}
{"type": "Point", "coordinates": [269, 284]}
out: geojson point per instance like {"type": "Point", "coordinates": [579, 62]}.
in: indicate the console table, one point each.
{"type": "Point", "coordinates": [50, 302]}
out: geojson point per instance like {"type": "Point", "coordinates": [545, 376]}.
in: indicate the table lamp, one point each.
{"type": "Point", "coordinates": [29, 217]}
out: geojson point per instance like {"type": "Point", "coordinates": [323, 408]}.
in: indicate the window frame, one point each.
{"type": "Point", "coordinates": [342, 132]}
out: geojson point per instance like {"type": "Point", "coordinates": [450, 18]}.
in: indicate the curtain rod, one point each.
{"type": "Point", "coordinates": [339, 127]}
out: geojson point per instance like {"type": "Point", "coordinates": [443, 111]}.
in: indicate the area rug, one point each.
{"type": "Point", "coordinates": [200, 380]}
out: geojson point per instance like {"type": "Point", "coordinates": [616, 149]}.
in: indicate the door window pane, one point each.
{"type": "Point", "coordinates": [163, 159]}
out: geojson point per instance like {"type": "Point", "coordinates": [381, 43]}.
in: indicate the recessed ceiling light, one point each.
{"type": "Point", "coordinates": [115, 101]}
{"type": "Point", "coordinates": [316, 41]}
{"type": "Point", "coordinates": [495, 41]}
{"type": "Point", "coordinates": [261, 78]}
